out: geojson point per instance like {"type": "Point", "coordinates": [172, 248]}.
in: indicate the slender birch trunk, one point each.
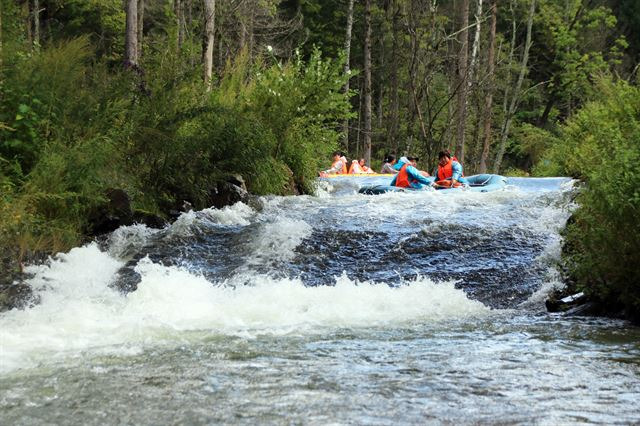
{"type": "Point", "coordinates": [207, 51]}
{"type": "Point", "coordinates": [392, 132]}
{"type": "Point", "coordinates": [463, 58]}
{"type": "Point", "coordinates": [381, 82]}
{"type": "Point", "coordinates": [516, 92]}
{"type": "Point", "coordinates": [347, 69]}
{"type": "Point", "coordinates": [476, 45]}
{"type": "Point", "coordinates": [36, 23]}
{"type": "Point", "coordinates": [367, 82]}
{"type": "Point", "coordinates": [26, 10]}
{"type": "Point", "coordinates": [179, 12]}
{"type": "Point", "coordinates": [131, 37]}
{"type": "Point", "coordinates": [488, 105]}
{"type": "Point", "coordinates": [1, 63]}
{"type": "Point", "coordinates": [140, 26]}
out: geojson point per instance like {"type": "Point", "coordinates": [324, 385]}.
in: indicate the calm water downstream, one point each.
{"type": "Point", "coordinates": [334, 309]}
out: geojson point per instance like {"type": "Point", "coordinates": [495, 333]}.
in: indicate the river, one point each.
{"type": "Point", "coordinates": [337, 308]}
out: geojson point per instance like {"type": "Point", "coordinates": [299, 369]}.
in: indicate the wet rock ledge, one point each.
{"type": "Point", "coordinates": [106, 218]}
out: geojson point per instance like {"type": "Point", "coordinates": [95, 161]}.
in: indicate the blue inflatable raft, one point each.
{"type": "Point", "coordinates": [477, 183]}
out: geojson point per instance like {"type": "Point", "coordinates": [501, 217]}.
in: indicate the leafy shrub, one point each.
{"type": "Point", "coordinates": [601, 144]}
{"type": "Point", "coordinates": [71, 128]}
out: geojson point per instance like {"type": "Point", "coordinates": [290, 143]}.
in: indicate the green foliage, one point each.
{"type": "Point", "coordinates": [102, 20]}
{"type": "Point", "coordinates": [573, 44]}
{"type": "Point", "coordinates": [73, 127]}
{"type": "Point", "coordinates": [601, 144]}
{"type": "Point", "coordinates": [532, 143]}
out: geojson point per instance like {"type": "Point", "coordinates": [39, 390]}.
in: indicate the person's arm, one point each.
{"type": "Point", "coordinates": [388, 168]}
{"type": "Point", "coordinates": [337, 168]}
{"type": "Point", "coordinates": [393, 181]}
{"type": "Point", "coordinates": [415, 174]}
{"type": "Point", "coordinates": [456, 168]}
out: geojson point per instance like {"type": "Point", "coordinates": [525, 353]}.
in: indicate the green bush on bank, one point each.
{"type": "Point", "coordinates": [73, 127]}
{"type": "Point", "coordinates": [601, 145]}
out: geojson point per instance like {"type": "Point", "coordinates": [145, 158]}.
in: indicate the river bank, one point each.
{"type": "Point", "coordinates": [114, 213]}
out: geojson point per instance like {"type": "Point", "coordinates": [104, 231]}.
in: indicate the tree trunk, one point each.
{"type": "Point", "coordinates": [347, 69]}
{"type": "Point", "coordinates": [463, 56]}
{"type": "Point", "coordinates": [179, 12]}
{"type": "Point", "coordinates": [131, 37]}
{"type": "Point", "coordinates": [381, 84]}
{"type": "Point", "coordinates": [367, 82]}
{"type": "Point", "coordinates": [475, 52]}
{"type": "Point", "coordinates": [359, 130]}
{"type": "Point", "coordinates": [26, 11]}
{"type": "Point", "coordinates": [140, 26]}
{"type": "Point", "coordinates": [251, 32]}
{"type": "Point", "coordinates": [207, 51]}
{"type": "Point", "coordinates": [476, 44]}
{"type": "Point", "coordinates": [488, 102]}
{"type": "Point", "coordinates": [392, 130]}
{"type": "Point", "coordinates": [1, 63]}
{"type": "Point", "coordinates": [516, 92]}
{"type": "Point", "coordinates": [189, 17]}
{"type": "Point", "coordinates": [36, 23]}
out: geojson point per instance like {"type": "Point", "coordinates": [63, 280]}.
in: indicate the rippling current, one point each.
{"type": "Point", "coordinates": [338, 308]}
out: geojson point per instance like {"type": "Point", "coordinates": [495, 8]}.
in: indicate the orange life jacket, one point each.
{"type": "Point", "coordinates": [402, 178]}
{"type": "Point", "coordinates": [444, 175]}
{"type": "Point", "coordinates": [445, 172]}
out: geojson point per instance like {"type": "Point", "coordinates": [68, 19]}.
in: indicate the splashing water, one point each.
{"type": "Point", "coordinates": [336, 308]}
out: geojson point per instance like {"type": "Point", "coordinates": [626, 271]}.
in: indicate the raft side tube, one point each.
{"type": "Point", "coordinates": [477, 183]}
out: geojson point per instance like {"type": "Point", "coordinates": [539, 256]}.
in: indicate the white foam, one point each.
{"type": "Point", "coordinates": [80, 313]}
{"type": "Point", "coordinates": [237, 214]}
{"type": "Point", "coordinates": [552, 283]}
{"type": "Point", "coordinates": [128, 239]}
{"type": "Point", "coordinates": [323, 189]}
{"type": "Point", "coordinates": [277, 240]}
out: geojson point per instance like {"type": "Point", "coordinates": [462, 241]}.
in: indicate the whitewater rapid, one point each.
{"type": "Point", "coordinates": [79, 309]}
{"type": "Point", "coordinates": [81, 313]}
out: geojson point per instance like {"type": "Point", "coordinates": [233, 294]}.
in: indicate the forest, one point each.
{"type": "Point", "coordinates": [165, 98]}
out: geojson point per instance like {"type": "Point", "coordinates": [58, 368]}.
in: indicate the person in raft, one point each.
{"type": "Point", "coordinates": [364, 167]}
{"type": "Point", "coordinates": [338, 167]}
{"type": "Point", "coordinates": [355, 168]}
{"type": "Point", "coordinates": [409, 176]}
{"type": "Point", "coordinates": [387, 167]}
{"type": "Point", "coordinates": [448, 173]}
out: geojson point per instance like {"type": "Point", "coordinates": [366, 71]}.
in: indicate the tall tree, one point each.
{"type": "Point", "coordinates": [347, 70]}
{"type": "Point", "coordinates": [488, 103]}
{"type": "Point", "coordinates": [131, 36]}
{"type": "Point", "coordinates": [515, 97]}
{"type": "Point", "coordinates": [178, 7]}
{"type": "Point", "coordinates": [140, 26]}
{"type": "Point", "coordinates": [392, 124]}
{"type": "Point", "coordinates": [367, 81]}
{"type": "Point", "coordinates": [36, 23]}
{"type": "Point", "coordinates": [209, 31]}
{"type": "Point", "coordinates": [1, 80]}
{"type": "Point", "coordinates": [1, 63]}
{"type": "Point", "coordinates": [475, 49]}
{"type": "Point", "coordinates": [463, 57]}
